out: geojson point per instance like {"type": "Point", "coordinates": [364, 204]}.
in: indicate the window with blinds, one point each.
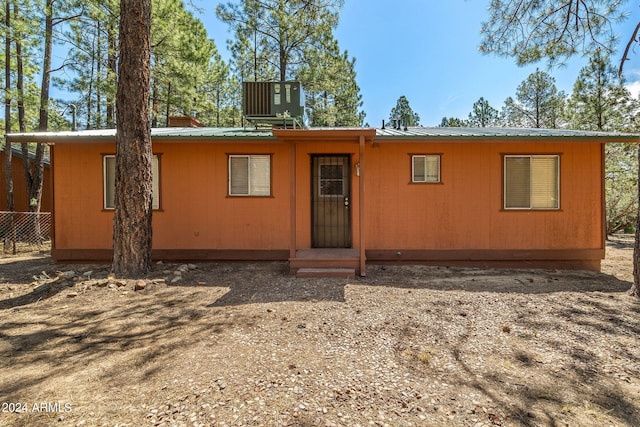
{"type": "Point", "coordinates": [531, 182]}
{"type": "Point", "coordinates": [425, 168]}
{"type": "Point", "coordinates": [109, 180]}
{"type": "Point", "coordinates": [250, 175]}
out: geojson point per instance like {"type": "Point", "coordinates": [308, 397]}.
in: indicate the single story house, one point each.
{"type": "Point", "coordinates": [339, 198]}
{"type": "Point", "coordinates": [20, 196]}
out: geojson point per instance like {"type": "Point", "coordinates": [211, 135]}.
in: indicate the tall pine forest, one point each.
{"type": "Point", "coordinates": [70, 48]}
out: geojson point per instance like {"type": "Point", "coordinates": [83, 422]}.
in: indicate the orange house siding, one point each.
{"type": "Point", "coordinates": [460, 219]}
{"type": "Point", "coordinates": [195, 210]}
{"type": "Point", "coordinates": [21, 204]}
{"type": "Point", "coordinates": [465, 210]}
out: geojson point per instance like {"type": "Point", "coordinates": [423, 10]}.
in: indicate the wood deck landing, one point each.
{"type": "Point", "coordinates": [325, 259]}
{"type": "Point", "coordinates": [327, 253]}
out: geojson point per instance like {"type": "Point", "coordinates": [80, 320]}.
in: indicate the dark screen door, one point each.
{"type": "Point", "coordinates": [331, 201]}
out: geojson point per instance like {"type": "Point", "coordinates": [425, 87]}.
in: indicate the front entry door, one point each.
{"type": "Point", "coordinates": [331, 201]}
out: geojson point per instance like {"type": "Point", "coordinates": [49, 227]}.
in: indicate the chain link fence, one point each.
{"type": "Point", "coordinates": [25, 231]}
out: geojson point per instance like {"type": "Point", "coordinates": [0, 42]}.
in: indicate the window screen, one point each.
{"type": "Point", "coordinates": [531, 182]}
{"type": "Point", "coordinates": [425, 168]}
{"type": "Point", "coordinates": [250, 175]}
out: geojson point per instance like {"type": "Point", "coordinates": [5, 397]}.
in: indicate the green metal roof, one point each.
{"type": "Point", "coordinates": [156, 133]}
{"type": "Point", "coordinates": [412, 133]}
{"type": "Point", "coordinates": [497, 132]}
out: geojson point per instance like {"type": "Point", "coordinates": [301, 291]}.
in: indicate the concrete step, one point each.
{"type": "Point", "coordinates": [346, 273]}
{"type": "Point", "coordinates": [296, 263]}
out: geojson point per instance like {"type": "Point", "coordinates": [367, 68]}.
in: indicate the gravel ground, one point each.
{"type": "Point", "coordinates": [249, 345]}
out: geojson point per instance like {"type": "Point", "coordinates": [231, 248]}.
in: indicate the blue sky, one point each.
{"type": "Point", "coordinates": [428, 51]}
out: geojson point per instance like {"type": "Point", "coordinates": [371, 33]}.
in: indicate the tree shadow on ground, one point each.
{"type": "Point", "coordinates": [579, 380]}
{"type": "Point", "coordinates": [619, 242]}
{"type": "Point", "coordinates": [255, 283]}
{"type": "Point", "coordinates": [521, 281]}
{"type": "Point", "coordinates": [261, 283]}
{"type": "Point", "coordinates": [546, 393]}
{"type": "Point", "coordinates": [293, 290]}
{"type": "Point", "coordinates": [39, 293]}
{"type": "Point", "coordinates": [34, 279]}
{"type": "Point", "coordinates": [140, 331]}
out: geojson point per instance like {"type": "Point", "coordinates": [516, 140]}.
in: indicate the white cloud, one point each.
{"type": "Point", "coordinates": [633, 81]}
{"type": "Point", "coordinates": [634, 88]}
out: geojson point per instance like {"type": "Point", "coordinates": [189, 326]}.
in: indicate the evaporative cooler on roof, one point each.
{"type": "Point", "coordinates": [280, 104]}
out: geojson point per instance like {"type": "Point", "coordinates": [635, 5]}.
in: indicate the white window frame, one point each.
{"type": "Point", "coordinates": [531, 158]}
{"type": "Point", "coordinates": [426, 158]}
{"type": "Point", "coordinates": [155, 182]}
{"type": "Point", "coordinates": [253, 188]}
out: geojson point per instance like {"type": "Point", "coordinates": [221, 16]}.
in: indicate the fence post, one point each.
{"type": "Point", "coordinates": [13, 232]}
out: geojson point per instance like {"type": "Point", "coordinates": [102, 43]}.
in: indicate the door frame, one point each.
{"type": "Point", "coordinates": [315, 182]}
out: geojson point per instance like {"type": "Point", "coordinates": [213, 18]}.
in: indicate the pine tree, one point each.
{"type": "Point", "coordinates": [557, 29]}
{"type": "Point", "coordinates": [280, 31]}
{"type": "Point", "coordinates": [331, 92]}
{"type": "Point", "coordinates": [452, 122]}
{"type": "Point", "coordinates": [402, 114]}
{"type": "Point", "coordinates": [133, 189]}
{"type": "Point", "coordinates": [285, 40]}
{"type": "Point", "coordinates": [483, 114]}
{"type": "Point", "coordinates": [601, 102]}
{"type": "Point", "coordinates": [538, 103]}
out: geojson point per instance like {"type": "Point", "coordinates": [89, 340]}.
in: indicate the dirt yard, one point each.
{"type": "Point", "coordinates": [249, 345]}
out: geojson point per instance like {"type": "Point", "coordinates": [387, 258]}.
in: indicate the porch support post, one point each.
{"type": "Point", "coordinates": [292, 199]}
{"type": "Point", "coordinates": [363, 168]}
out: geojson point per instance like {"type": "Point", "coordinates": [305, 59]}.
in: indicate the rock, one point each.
{"type": "Point", "coordinates": [72, 294]}
{"type": "Point", "coordinates": [102, 283]}
{"type": "Point", "coordinates": [121, 283]}
{"type": "Point", "coordinates": [192, 266]}
{"type": "Point", "coordinates": [158, 281]}
{"type": "Point", "coordinates": [87, 274]}
{"type": "Point", "coordinates": [176, 279]}
{"type": "Point", "coordinates": [177, 273]}
{"type": "Point", "coordinates": [140, 285]}
{"type": "Point", "coordinates": [70, 274]}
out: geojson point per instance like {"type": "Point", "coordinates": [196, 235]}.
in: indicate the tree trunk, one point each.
{"type": "Point", "coordinates": [26, 161]}
{"type": "Point", "coordinates": [168, 104]}
{"type": "Point", "coordinates": [91, 84]}
{"type": "Point", "coordinates": [111, 70]}
{"type": "Point", "coordinates": [154, 105]}
{"type": "Point", "coordinates": [22, 125]}
{"type": "Point", "coordinates": [133, 189]}
{"type": "Point", "coordinates": [98, 77]}
{"type": "Point", "coordinates": [43, 123]}
{"type": "Point", "coordinates": [8, 177]}
{"type": "Point", "coordinates": [35, 191]}
{"type": "Point", "coordinates": [635, 289]}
